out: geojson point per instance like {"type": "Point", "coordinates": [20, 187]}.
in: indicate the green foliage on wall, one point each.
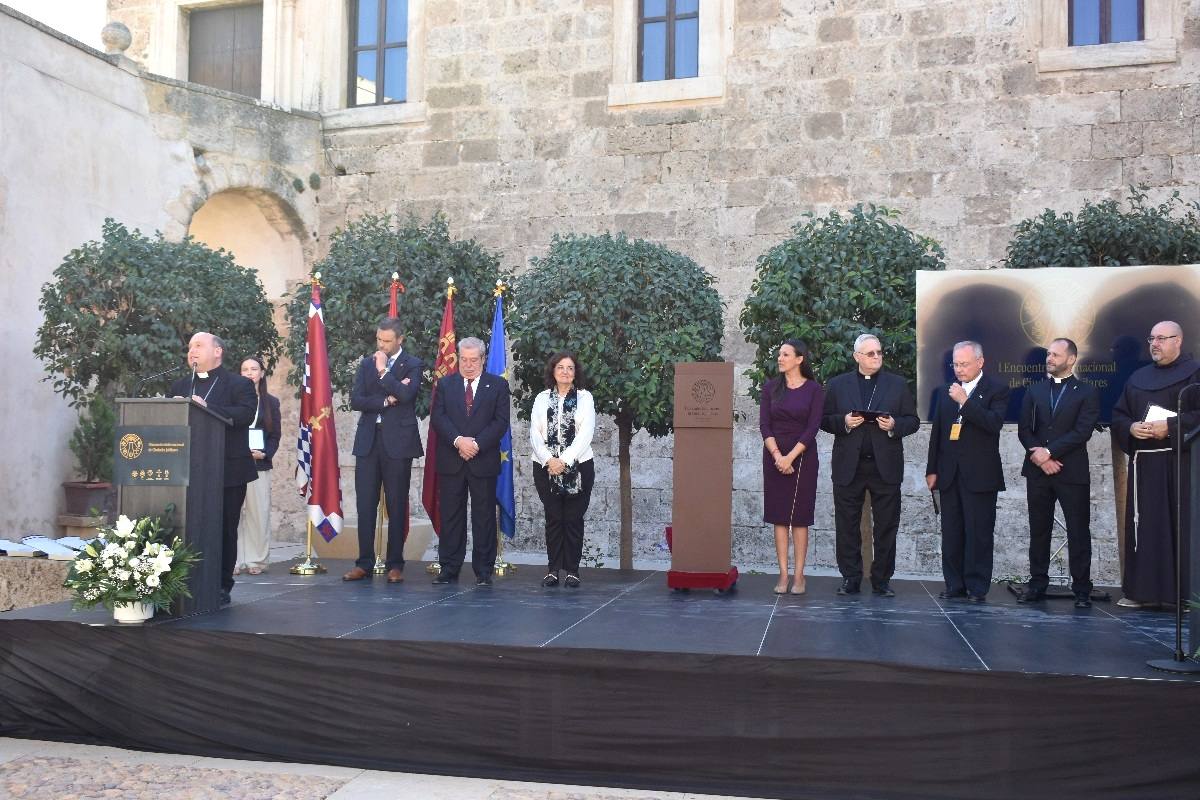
{"type": "Point", "coordinates": [126, 306]}
{"type": "Point", "coordinates": [834, 278]}
{"type": "Point", "coordinates": [1106, 235]}
{"type": "Point", "coordinates": [356, 275]}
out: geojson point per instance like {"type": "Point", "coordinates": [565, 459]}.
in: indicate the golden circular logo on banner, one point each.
{"type": "Point", "coordinates": [703, 391]}
{"type": "Point", "coordinates": [130, 446]}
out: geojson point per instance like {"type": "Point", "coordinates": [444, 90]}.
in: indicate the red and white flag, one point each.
{"type": "Point", "coordinates": [446, 364]}
{"type": "Point", "coordinates": [317, 474]}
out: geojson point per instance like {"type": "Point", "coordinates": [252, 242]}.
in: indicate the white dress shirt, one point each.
{"type": "Point", "coordinates": [585, 427]}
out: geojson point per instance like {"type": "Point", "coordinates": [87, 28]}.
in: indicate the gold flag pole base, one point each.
{"type": "Point", "coordinates": [309, 565]}
{"type": "Point", "coordinates": [380, 565]}
{"type": "Point", "coordinates": [433, 568]}
{"type": "Point", "coordinates": [503, 568]}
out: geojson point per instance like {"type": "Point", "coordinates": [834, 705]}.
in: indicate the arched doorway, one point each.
{"type": "Point", "coordinates": [264, 234]}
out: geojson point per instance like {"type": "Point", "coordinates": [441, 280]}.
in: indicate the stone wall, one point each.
{"type": "Point", "coordinates": [937, 109]}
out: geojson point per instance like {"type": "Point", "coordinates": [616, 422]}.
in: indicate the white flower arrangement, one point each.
{"type": "Point", "coordinates": [130, 563]}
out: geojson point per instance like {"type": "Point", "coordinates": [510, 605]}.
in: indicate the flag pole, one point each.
{"type": "Point", "coordinates": [380, 512]}
{"type": "Point", "coordinates": [435, 567]}
{"type": "Point", "coordinates": [309, 566]}
{"type": "Point", "coordinates": [502, 568]}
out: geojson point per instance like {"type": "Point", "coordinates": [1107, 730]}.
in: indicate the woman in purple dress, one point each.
{"type": "Point", "coordinates": [789, 417]}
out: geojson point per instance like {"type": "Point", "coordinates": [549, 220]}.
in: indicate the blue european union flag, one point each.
{"type": "Point", "coordinates": [497, 364]}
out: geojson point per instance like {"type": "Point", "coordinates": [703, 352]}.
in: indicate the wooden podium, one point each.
{"type": "Point", "coordinates": [702, 503]}
{"type": "Point", "coordinates": [172, 451]}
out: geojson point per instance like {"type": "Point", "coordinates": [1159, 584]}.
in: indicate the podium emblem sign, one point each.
{"type": "Point", "coordinates": [151, 455]}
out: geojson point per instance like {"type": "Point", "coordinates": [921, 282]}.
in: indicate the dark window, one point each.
{"type": "Point", "coordinates": [668, 39]}
{"type": "Point", "coordinates": [1105, 21]}
{"type": "Point", "coordinates": [378, 52]}
{"type": "Point", "coordinates": [225, 48]}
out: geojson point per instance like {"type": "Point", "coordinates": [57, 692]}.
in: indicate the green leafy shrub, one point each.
{"type": "Point", "coordinates": [834, 278]}
{"type": "Point", "coordinates": [356, 275]}
{"type": "Point", "coordinates": [1105, 235]}
{"type": "Point", "coordinates": [92, 441]}
{"type": "Point", "coordinates": [127, 305]}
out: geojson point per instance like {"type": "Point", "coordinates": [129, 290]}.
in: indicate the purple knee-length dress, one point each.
{"type": "Point", "coordinates": [791, 499]}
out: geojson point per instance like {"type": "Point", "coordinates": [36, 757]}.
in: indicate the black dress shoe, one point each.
{"type": "Point", "coordinates": [976, 598]}
{"type": "Point", "coordinates": [849, 586]}
{"type": "Point", "coordinates": [883, 590]}
{"type": "Point", "coordinates": [1028, 596]}
{"type": "Point", "coordinates": [1083, 601]}
{"type": "Point", "coordinates": [946, 594]}
{"type": "Point", "coordinates": [443, 579]}
{"type": "Point", "coordinates": [483, 580]}
{"type": "Point", "coordinates": [225, 598]}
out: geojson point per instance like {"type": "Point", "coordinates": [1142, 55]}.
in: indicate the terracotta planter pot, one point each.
{"type": "Point", "coordinates": [83, 497]}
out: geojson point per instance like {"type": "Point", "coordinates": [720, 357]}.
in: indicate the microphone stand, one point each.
{"type": "Point", "coordinates": [144, 380]}
{"type": "Point", "coordinates": [1179, 662]}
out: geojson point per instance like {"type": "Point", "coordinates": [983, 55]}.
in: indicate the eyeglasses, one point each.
{"type": "Point", "coordinates": [871, 353]}
{"type": "Point", "coordinates": [961, 364]}
{"type": "Point", "coordinates": [1160, 339]}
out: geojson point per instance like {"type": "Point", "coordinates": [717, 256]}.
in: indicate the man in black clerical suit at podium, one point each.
{"type": "Point", "coordinates": [1057, 419]}
{"type": "Point", "coordinates": [231, 396]}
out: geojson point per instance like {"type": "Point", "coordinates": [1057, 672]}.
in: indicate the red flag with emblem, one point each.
{"type": "Point", "coordinates": [317, 474]}
{"type": "Point", "coordinates": [446, 364]}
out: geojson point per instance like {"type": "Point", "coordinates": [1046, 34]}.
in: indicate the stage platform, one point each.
{"type": "Point", "coordinates": [624, 682]}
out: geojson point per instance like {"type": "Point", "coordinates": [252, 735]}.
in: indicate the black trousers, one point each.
{"type": "Point", "coordinates": [1075, 499]}
{"type": "Point", "coordinates": [453, 492]}
{"type": "Point", "coordinates": [885, 520]}
{"type": "Point", "coordinates": [564, 518]}
{"type": "Point", "coordinates": [231, 514]}
{"type": "Point", "coordinates": [968, 525]}
{"type": "Point", "coordinates": [371, 472]}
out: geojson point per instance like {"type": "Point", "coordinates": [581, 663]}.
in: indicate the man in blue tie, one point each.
{"type": "Point", "coordinates": [385, 444]}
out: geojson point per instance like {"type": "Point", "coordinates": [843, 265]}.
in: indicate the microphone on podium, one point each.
{"type": "Point", "coordinates": [144, 380]}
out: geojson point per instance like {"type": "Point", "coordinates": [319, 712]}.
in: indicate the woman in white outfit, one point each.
{"type": "Point", "coordinates": [560, 432]}
{"type": "Point", "coordinates": [254, 530]}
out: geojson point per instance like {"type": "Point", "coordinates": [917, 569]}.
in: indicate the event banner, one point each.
{"type": "Point", "coordinates": [1015, 313]}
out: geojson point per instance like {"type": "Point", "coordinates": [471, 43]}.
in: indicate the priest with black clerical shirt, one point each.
{"type": "Point", "coordinates": [232, 396]}
{"type": "Point", "coordinates": [1146, 430]}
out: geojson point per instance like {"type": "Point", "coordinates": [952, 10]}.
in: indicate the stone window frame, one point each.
{"type": "Point", "coordinates": [336, 112]}
{"type": "Point", "coordinates": [168, 51]}
{"type": "Point", "coordinates": [1161, 21]}
{"type": "Point", "coordinates": [716, 42]}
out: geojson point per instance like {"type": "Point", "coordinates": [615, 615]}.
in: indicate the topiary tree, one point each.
{"type": "Point", "coordinates": [126, 306]}
{"type": "Point", "coordinates": [836, 277]}
{"type": "Point", "coordinates": [357, 273]}
{"type": "Point", "coordinates": [630, 310]}
{"type": "Point", "coordinates": [1104, 235]}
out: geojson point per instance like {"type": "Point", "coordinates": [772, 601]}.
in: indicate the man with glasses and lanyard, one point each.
{"type": "Point", "coordinates": [1145, 425]}
{"type": "Point", "coordinates": [869, 412]}
{"type": "Point", "coordinates": [964, 466]}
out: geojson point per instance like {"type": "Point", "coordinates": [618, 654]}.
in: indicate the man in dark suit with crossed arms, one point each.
{"type": "Point", "coordinates": [470, 414]}
{"type": "Point", "coordinates": [1057, 419]}
{"type": "Point", "coordinates": [868, 456]}
{"type": "Point", "coordinates": [385, 444]}
{"type": "Point", "coordinates": [964, 466]}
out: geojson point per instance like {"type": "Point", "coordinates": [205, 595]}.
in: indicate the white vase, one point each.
{"type": "Point", "coordinates": [132, 613]}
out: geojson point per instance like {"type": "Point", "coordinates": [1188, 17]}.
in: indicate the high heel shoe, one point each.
{"type": "Point", "coordinates": [799, 585]}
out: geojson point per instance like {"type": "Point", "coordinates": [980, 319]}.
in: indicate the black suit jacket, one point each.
{"type": "Point", "coordinates": [486, 424]}
{"type": "Point", "coordinates": [232, 396]}
{"type": "Point", "coordinates": [1065, 432]}
{"type": "Point", "coordinates": [892, 395]}
{"type": "Point", "coordinates": [975, 457]}
{"type": "Point", "coordinates": [401, 439]}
